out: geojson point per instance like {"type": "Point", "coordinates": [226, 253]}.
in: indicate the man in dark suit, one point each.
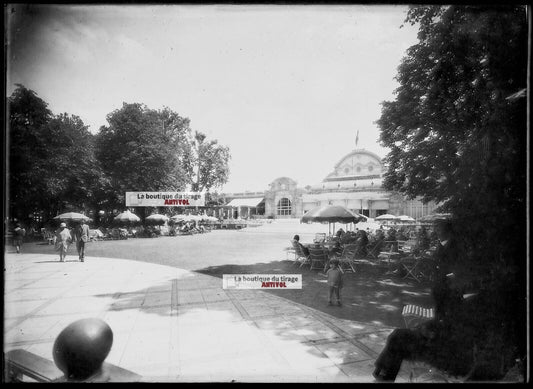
{"type": "Point", "coordinates": [448, 341]}
{"type": "Point", "coordinates": [81, 236]}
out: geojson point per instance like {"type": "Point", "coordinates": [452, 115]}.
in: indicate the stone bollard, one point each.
{"type": "Point", "coordinates": [81, 348]}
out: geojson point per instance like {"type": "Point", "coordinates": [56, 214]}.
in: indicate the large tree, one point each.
{"type": "Point", "coordinates": [457, 134]}
{"type": "Point", "coordinates": [74, 175]}
{"type": "Point", "coordinates": [145, 150]}
{"type": "Point", "coordinates": [210, 163]}
{"type": "Point", "coordinates": [26, 149]}
{"type": "Point", "coordinates": [51, 159]}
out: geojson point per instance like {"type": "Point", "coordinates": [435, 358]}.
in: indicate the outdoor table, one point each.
{"type": "Point", "coordinates": [325, 246]}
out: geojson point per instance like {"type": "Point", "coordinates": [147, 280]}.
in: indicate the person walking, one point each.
{"type": "Point", "coordinates": [63, 240]}
{"type": "Point", "coordinates": [334, 281]}
{"type": "Point", "coordinates": [81, 236]}
{"type": "Point", "coordinates": [19, 237]}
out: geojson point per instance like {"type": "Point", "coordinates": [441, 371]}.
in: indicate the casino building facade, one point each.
{"type": "Point", "coordinates": [355, 183]}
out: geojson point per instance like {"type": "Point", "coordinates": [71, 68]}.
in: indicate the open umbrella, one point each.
{"type": "Point", "coordinates": [177, 218]}
{"type": "Point", "coordinates": [157, 218]}
{"type": "Point", "coordinates": [386, 217]}
{"type": "Point", "coordinates": [406, 219]}
{"type": "Point", "coordinates": [127, 217]}
{"type": "Point", "coordinates": [330, 214]}
{"type": "Point", "coordinates": [364, 217]}
{"type": "Point", "coordinates": [186, 218]}
{"type": "Point", "coordinates": [72, 217]}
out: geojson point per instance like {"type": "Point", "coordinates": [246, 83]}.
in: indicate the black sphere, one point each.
{"type": "Point", "coordinates": [81, 348]}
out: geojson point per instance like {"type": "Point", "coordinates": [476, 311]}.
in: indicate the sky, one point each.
{"type": "Point", "coordinates": [286, 87]}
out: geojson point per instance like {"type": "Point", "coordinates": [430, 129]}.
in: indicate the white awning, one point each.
{"type": "Point", "coordinates": [249, 202]}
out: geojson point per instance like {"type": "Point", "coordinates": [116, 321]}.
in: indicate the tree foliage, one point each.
{"type": "Point", "coordinates": [145, 150]}
{"type": "Point", "coordinates": [154, 150]}
{"type": "Point", "coordinates": [55, 164]}
{"type": "Point", "coordinates": [51, 158]}
{"type": "Point", "coordinates": [26, 148]}
{"type": "Point", "coordinates": [211, 163]}
{"type": "Point", "coordinates": [457, 134]}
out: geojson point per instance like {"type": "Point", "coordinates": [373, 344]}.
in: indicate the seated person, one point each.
{"type": "Point", "coordinates": [349, 238]}
{"type": "Point", "coordinates": [460, 326]}
{"type": "Point", "coordinates": [379, 234]}
{"type": "Point", "coordinates": [336, 249]}
{"type": "Point", "coordinates": [296, 240]}
{"type": "Point", "coordinates": [362, 243]}
{"type": "Point", "coordinates": [402, 234]}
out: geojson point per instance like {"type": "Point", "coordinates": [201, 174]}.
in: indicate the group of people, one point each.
{"type": "Point", "coordinates": [65, 237]}
{"type": "Point", "coordinates": [333, 274]}
{"type": "Point", "coordinates": [455, 339]}
{"type": "Point", "coordinates": [192, 227]}
{"type": "Point", "coordinates": [359, 238]}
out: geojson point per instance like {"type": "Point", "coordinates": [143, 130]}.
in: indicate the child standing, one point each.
{"type": "Point", "coordinates": [334, 281]}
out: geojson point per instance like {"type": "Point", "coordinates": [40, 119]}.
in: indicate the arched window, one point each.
{"type": "Point", "coordinates": [284, 207]}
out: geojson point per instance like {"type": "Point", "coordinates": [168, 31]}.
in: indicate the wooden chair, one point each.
{"type": "Point", "coordinates": [390, 256]}
{"type": "Point", "coordinates": [300, 258]}
{"type": "Point", "coordinates": [318, 257]}
{"type": "Point", "coordinates": [374, 249]}
{"type": "Point", "coordinates": [414, 315]}
{"type": "Point", "coordinates": [347, 257]}
{"type": "Point", "coordinates": [48, 236]}
{"type": "Point", "coordinates": [411, 266]}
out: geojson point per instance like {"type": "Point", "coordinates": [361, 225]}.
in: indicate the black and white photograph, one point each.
{"type": "Point", "coordinates": [271, 192]}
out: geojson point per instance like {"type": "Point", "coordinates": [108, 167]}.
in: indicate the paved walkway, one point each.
{"type": "Point", "coordinates": [171, 324]}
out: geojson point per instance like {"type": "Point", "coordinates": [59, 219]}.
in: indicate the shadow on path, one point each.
{"type": "Point", "coordinates": [368, 296]}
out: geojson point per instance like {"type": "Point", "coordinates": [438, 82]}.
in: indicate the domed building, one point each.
{"type": "Point", "coordinates": [356, 183]}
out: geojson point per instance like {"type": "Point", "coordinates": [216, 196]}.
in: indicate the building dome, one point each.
{"type": "Point", "coordinates": [358, 163]}
{"type": "Point", "coordinates": [358, 169]}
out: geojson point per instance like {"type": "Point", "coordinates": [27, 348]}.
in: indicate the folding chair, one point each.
{"type": "Point", "coordinates": [318, 258]}
{"type": "Point", "coordinates": [414, 315]}
{"type": "Point", "coordinates": [48, 236]}
{"type": "Point", "coordinates": [300, 257]}
{"type": "Point", "coordinates": [374, 249]}
{"type": "Point", "coordinates": [389, 256]}
{"type": "Point", "coordinates": [347, 257]}
{"type": "Point", "coordinates": [411, 265]}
